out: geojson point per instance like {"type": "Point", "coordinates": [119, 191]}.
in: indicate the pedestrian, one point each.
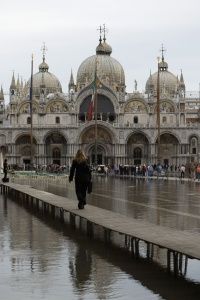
{"type": "Point", "coordinates": [5, 169]}
{"type": "Point", "coordinates": [80, 170]}
{"type": "Point", "coordinates": [198, 172]}
{"type": "Point", "coordinates": [182, 171]}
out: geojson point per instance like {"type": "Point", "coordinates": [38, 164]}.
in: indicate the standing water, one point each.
{"type": "Point", "coordinates": [42, 259]}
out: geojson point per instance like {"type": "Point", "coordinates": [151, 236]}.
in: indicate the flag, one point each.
{"type": "Point", "coordinates": [90, 111]}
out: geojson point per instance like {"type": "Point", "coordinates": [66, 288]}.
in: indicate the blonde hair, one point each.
{"type": "Point", "coordinates": [80, 156]}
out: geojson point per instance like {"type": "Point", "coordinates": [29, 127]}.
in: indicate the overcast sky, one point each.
{"type": "Point", "coordinates": [136, 30]}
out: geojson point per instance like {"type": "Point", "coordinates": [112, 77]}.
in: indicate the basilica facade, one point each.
{"type": "Point", "coordinates": [125, 129]}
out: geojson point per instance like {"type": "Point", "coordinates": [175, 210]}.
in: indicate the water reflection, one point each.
{"type": "Point", "coordinates": [80, 267]}
{"type": "Point", "coordinates": [64, 262]}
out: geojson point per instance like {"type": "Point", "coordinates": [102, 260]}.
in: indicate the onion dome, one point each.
{"type": "Point", "coordinates": [45, 82]}
{"type": "Point", "coordinates": [109, 70]}
{"type": "Point", "coordinates": [168, 83]}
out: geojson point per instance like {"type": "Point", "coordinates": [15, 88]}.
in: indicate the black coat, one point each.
{"type": "Point", "coordinates": [81, 171]}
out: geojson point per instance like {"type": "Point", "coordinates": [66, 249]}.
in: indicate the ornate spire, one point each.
{"type": "Point", "coordinates": [1, 94]}
{"type": "Point", "coordinates": [13, 85]}
{"type": "Point", "coordinates": [181, 77]}
{"type": "Point", "coordinates": [44, 50]}
{"type": "Point", "coordinates": [71, 81]}
{"type": "Point", "coordinates": [71, 84]}
{"type": "Point", "coordinates": [18, 82]}
{"type": "Point", "coordinates": [103, 48]}
{"type": "Point", "coordinates": [163, 50]}
{"type": "Point", "coordinates": [100, 29]}
{"type": "Point", "coordinates": [43, 67]}
{"type": "Point", "coordinates": [163, 66]}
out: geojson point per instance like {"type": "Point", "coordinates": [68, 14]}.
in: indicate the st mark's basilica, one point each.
{"type": "Point", "coordinates": [127, 129]}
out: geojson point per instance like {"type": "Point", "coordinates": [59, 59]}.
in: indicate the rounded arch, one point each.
{"type": "Point", "coordinates": [166, 106]}
{"type": "Point", "coordinates": [137, 132]}
{"type": "Point", "coordinates": [56, 106]}
{"type": "Point", "coordinates": [55, 148]}
{"type": "Point", "coordinates": [108, 127]}
{"type": "Point", "coordinates": [193, 135]}
{"type": "Point", "coordinates": [193, 144]}
{"type": "Point", "coordinates": [168, 133]}
{"type": "Point", "coordinates": [26, 151]}
{"type": "Point", "coordinates": [24, 107]}
{"type": "Point", "coordinates": [137, 148]}
{"type": "Point", "coordinates": [104, 91]}
{"type": "Point", "coordinates": [169, 148]}
{"type": "Point", "coordinates": [55, 132]}
{"type": "Point", "coordinates": [136, 106]}
{"type": "Point", "coordinates": [104, 146]}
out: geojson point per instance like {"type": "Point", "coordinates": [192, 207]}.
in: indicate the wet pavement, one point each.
{"type": "Point", "coordinates": [39, 259]}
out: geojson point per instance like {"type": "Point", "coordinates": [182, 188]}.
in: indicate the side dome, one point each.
{"type": "Point", "coordinates": [168, 82]}
{"type": "Point", "coordinates": [109, 70]}
{"type": "Point", "coordinates": [45, 82]}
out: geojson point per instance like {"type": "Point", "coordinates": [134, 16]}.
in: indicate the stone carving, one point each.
{"type": "Point", "coordinates": [102, 136]}
{"type": "Point", "coordinates": [135, 106]}
{"type": "Point", "coordinates": [166, 107]}
{"type": "Point", "coordinates": [56, 107]}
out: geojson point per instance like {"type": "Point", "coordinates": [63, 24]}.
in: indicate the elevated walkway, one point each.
{"type": "Point", "coordinates": [177, 243]}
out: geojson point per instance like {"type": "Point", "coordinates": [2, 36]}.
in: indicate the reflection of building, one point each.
{"type": "Point", "coordinates": [127, 127]}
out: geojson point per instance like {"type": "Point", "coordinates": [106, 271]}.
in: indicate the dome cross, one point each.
{"type": "Point", "coordinates": [163, 50]}
{"type": "Point", "coordinates": [44, 51]}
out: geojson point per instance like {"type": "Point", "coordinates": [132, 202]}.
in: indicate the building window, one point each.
{"type": "Point", "coordinates": [194, 151]}
{"type": "Point", "coordinates": [29, 120]}
{"type": "Point", "coordinates": [164, 120]}
{"type": "Point", "coordinates": [57, 120]}
{"type": "Point", "coordinates": [135, 120]}
{"type": "Point", "coordinates": [193, 145]}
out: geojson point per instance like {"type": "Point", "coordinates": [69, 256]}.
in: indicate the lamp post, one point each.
{"type": "Point", "coordinates": [158, 111]}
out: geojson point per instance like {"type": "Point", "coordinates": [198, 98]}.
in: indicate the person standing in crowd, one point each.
{"type": "Point", "coordinates": [182, 171]}
{"type": "Point", "coordinates": [82, 173]}
{"type": "Point", "coordinates": [5, 169]}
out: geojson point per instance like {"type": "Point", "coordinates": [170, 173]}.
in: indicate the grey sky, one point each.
{"type": "Point", "coordinates": [69, 28]}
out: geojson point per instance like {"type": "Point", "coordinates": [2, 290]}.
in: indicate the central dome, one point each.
{"type": "Point", "coordinates": [109, 70]}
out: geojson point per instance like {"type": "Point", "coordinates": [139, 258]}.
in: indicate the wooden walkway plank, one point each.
{"type": "Point", "coordinates": [180, 241]}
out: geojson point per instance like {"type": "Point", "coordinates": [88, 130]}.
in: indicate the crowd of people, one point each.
{"type": "Point", "coordinates": [185, 170]}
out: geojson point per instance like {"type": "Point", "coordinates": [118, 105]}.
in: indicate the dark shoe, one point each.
{"type": "Point", "coordinates": [80, 205]}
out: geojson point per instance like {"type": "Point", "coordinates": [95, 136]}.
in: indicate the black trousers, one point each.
{"type": "Point", "coordinates": [81, 189]}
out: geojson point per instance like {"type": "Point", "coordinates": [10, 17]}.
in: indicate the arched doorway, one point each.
{"type": "Point", "coordinates": [169, 147]}
{"type": "Point", "coordinates": [55, 149]}
{"type": "Point", "coordinates": [101, 155]}
{"type": "Point", "coordinates": [104, 145]}
{"type": "Point", "coordinates": [137, 149]}
{"type": "Point", "coordinates": [137, 154]}
{"type": "Point", "coordinates": [23, 150]}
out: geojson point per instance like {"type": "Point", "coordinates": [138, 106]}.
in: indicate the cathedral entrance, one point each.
{"type": "Point", "coordinates": [137, 156]}
{"type": "Point", "coordinates": [101, 157]}
{"type": "Point", "coordinates": [55, 149]}
{"type": "Point", "coordinates": [104, 145]}
{"type": "Point", "coordinates": [168, 149]}
{"type": "Point", "coordinates": [137, 149]}
{"type": "Point", "coordinates": [23, 150]}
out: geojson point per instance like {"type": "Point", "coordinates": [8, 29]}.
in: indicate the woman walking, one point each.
{"type": "Point", "coordinates": [82, 173]}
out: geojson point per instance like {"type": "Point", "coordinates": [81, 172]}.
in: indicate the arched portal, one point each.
{"type": "Point", "coordinates": [105, 108]}
{"type": "Point", "coordinates": [137, 149]}
{"type": "Point", "coordinates": [23, 150]}
{"type": "Point", "coordinates": [169, 147]}
{"type": "Point", "coordinates": [55, 149]}
{"type": "Point", "coordinates": [102, 149]}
